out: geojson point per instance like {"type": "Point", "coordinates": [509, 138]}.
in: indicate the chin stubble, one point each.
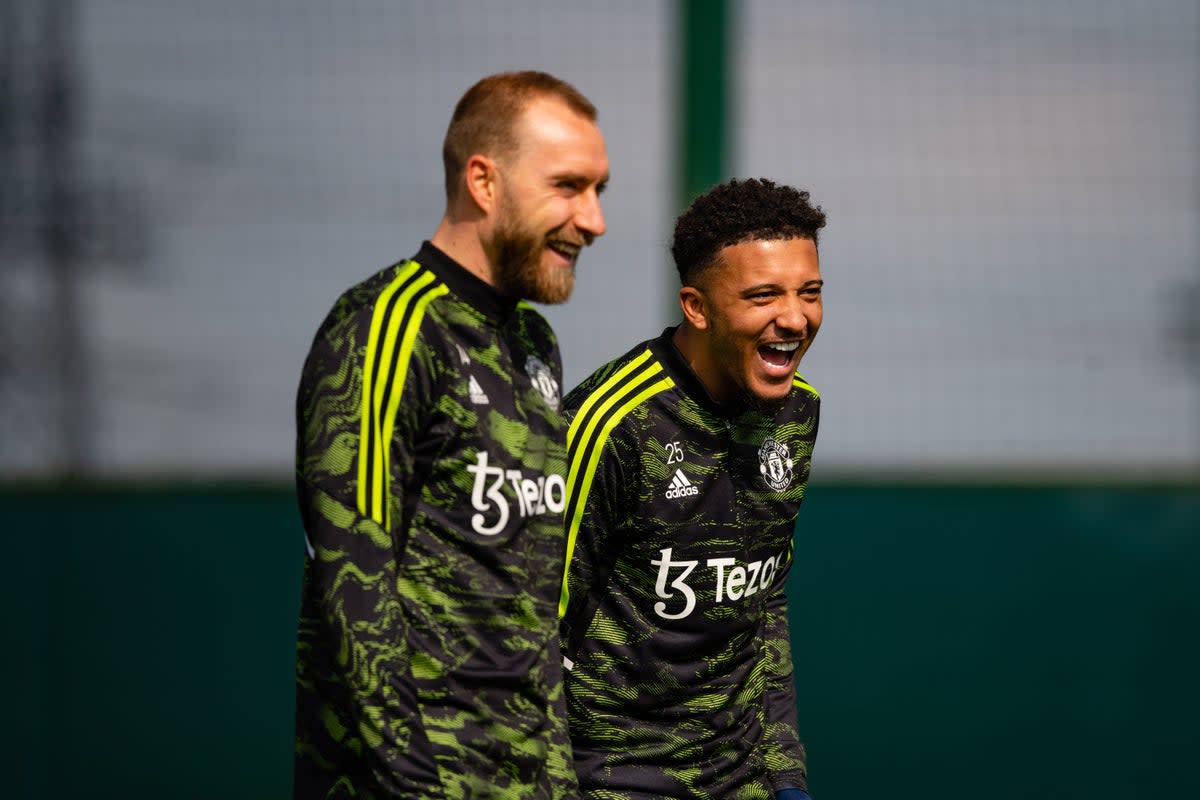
{"type": "Point", "coordinates": [763, 405]}
{"type": "Point", "coordinates": [520, 272]}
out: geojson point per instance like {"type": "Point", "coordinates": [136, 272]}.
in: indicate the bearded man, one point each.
{"type": "Point", "coordinates": [431, 470]}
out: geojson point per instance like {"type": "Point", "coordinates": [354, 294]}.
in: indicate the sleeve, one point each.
{"type": "Point", "coordinates": [596, 481]}
{"type": "Point", "coordinates": [354, 447]}
{"type": "Point", "coordinates": [782, 749]}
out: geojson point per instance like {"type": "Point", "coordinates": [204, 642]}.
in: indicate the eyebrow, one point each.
{"type": "Point", "coordinates": [570, 175]}
{"type": "Point", "coordinates": [761, 286]}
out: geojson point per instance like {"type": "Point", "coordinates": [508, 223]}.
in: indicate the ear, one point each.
{"type": "Point", "coordinates": [695, 310]}
{"type": "Point", "coordinates": [481, 175]}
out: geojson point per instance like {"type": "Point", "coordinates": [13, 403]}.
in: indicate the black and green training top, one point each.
{"type": "Point", "coordinates": [430, 470]}
{"type": "Point", "coordinates": [679, 520]}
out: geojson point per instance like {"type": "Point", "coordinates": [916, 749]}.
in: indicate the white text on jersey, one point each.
{"type": "Point", "coordinates": [540, 495]}
{"type": "Point", "coordinates": [732, 581]}
{"type": "Point", "coordinates": [681, 487]}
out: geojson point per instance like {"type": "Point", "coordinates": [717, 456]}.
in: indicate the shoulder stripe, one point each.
{"type": "Point", "coordinates": [394, 326]}
{"type": "Point", "coordinates": [799, 382]}
{"type": "Point", "coordinates": [607, 405]}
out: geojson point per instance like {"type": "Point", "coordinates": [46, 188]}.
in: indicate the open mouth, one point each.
{"type": "Point", "coordinates": [778, 354]}
{"type": "Point", "coordinates": [565, 250]}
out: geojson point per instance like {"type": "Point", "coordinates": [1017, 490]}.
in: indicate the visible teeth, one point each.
{"type": "Point", "coordinates": [784, 347]}
{"type": "Point", "coordinates": [569, 250]}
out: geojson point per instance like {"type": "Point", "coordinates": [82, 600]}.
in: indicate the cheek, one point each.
{"type": "Point", "coordinates": [552, 214]}
{"type": "Point", "coordinates": [726, 342]}
{"type": "Point", "coordinates": [527, 213]}
{"type": "Point", "coordinates": [753, 321]}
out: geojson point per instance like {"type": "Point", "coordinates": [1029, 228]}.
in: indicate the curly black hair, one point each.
{"type": "Point", "coordinates": [740, 211]}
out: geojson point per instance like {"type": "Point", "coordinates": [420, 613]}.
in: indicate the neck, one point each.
{"type": "Point", "coordinates": [461, 241]}
{"type": "Point", "coordinates": [690, 343]}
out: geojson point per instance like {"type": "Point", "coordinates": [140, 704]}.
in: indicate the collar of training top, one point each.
{"type": "Point", "coordinates": [688, 381]}
{"type": "Point", "coordinates": [466, 285]}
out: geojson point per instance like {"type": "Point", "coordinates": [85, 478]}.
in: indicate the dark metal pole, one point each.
{"type": "Point", "coordinates": [706, 27]}
{"type": "Point", "coordinates": [702, 116]}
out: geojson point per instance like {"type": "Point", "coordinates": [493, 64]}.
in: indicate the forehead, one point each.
{"type": "Point", "coordinates": [787, 262]}
{"type": "Point", "coordinates": [553, 138]}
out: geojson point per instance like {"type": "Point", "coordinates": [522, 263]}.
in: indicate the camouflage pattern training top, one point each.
{"type": "Point", "coordinates": [430, 470]}
{"type": "Point", "coordinates": [679, 519]}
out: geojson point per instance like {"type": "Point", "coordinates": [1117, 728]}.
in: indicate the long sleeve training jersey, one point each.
{"type": "Point", "coordinates": [430, 472]}
{"type": "Point", "coordinates": [679, 518]}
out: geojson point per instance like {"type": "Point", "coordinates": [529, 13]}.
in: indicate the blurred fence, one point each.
{"type": "Point", "coordinates": [1012, 256]}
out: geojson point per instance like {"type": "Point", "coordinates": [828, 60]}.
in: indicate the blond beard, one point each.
{"type": "Point", "coordinates": [519, 268]}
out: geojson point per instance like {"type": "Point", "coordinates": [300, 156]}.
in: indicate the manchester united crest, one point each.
{"type": "Point", "coordinates": [775, 464]}
{"type": "Point", "coordinates": [543, 380]}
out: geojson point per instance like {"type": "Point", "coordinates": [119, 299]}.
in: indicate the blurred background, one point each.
{"type": "Point", "coordinates": [995, 590]}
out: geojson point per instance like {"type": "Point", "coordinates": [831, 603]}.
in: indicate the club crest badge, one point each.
{"type": "Point", "coordinates": [543, 380]}
{"type": "Point", "coordinates": [775, 464]}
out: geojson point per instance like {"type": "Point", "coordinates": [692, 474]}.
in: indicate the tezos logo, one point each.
{"type": "Point", "coordinates": [775, 464]}
{"type": "Point", "coordinates": [731, 581]}
{"type": "Point", "coordinates": [543, 380]}
{"type": "Point", "coordinates": [545, 493]}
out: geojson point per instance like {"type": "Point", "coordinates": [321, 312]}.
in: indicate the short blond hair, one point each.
{"type": "Point", "coordinates": [485, 119]}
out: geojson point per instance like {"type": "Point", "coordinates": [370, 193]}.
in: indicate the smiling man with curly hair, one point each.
{"type": "Point", "coordinates": [689, 457]}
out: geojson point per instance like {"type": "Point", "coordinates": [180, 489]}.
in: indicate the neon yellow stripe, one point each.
{"type": "Point", "coordinates": [368, 379]}
{"type": "Point", "coordinates": [380, 475]}
{"type": "Point", "coordinates": [616, 378]}
{"type": "Point", "coordinates": [594, 419]}
{"type": "Point", "coordinates": [393, 404]}
{"type": "Point", "coordinates": [593, 459]}
{"type": "Point", "coordinates": [798, 381]}
{"type": "Point", "coordinates": [589, 420]}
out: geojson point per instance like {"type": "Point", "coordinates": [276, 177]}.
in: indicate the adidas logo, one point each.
{"type": "Point", "coordinates": [681, 486]}
{"type": "Point", "coordinates": [478, 397]}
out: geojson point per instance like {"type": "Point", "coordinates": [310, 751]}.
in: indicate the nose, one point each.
{"type": "Point", "coordinates": [589, 217]}
{"type": "Point", "coordinates": [792, 316]}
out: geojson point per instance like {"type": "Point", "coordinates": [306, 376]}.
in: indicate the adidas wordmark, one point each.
{"type": "Point", "coordinates": [681, 486]}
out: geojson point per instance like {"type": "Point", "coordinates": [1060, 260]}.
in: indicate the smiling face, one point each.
{"type": "Point", "coordinates": [752, 318]}
{"type": "Point", "coordinates": [549, 202]}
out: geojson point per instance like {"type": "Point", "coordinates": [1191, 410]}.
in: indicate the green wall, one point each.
{"type": "Point", "coordinates": [155, 642]}
{"type": "Point", "coordinates": [951, 642]}
{"type": "Point", "coordinates": [999, 643]}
